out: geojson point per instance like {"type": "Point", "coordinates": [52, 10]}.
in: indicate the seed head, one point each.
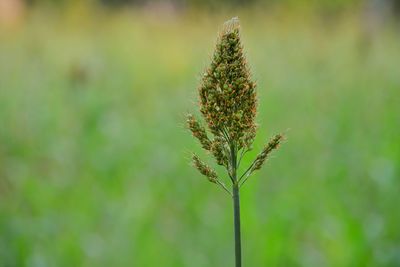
{"type": "Point", "coordinates": [228, 104]}
{"type": "Point", "coordinates": [227, 93]}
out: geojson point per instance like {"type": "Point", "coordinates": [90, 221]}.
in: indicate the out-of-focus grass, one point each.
{"type": "Point", "coordinates": [94, 156]}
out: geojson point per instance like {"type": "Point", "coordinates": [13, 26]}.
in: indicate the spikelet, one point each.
{"type": "Point", "coordinates": [263, 155]}
{"type": "Point", "coordinates": [204, 169]}
{"type": "Point", "coordinates": [198, 131]}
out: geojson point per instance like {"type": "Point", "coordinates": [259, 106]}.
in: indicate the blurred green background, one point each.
{"type": "Point", "coordinates": [94, 157]}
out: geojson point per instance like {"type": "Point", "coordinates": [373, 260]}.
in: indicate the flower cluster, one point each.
{"type": "Point", "coordinates": [227, 94]}
{"type": "Point", "coordinates": [228, 104]}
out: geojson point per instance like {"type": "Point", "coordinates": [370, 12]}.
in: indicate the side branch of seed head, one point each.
{"type": "Point", "coordinates": [204, 169]}
{"type": "Point", "coordinates": [261, 158]}
{"type": "Point", "coordinates": [198, 131]}
{"type": "Point", "coordinates": [207, 171]}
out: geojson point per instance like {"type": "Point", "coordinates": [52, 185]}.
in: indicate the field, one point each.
{"type": "Point", "coordinates": [94, 156]}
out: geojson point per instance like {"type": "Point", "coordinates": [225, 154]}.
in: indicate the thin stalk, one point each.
{"type": "Point", "coordinates": [236, 208]}
{"type": "Point", "coordinates": [246, 171]}
{"type": "Point", "coordinates": [244, 151]}
{"type": "Point", "coordinates": [224, 187]}
{"type": "Point", "coordinates": [236, 215]}
{"type": "Point", "coordinates": [244, 180]}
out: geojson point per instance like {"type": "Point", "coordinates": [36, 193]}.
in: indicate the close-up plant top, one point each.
{"type": "Point", "coordinates": [228, 105]}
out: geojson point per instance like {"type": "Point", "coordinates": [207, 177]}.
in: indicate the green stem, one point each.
{"type": "Point", "coordinates": [236, 207]}
{"type": "Point", "coordinates": [236, 215]}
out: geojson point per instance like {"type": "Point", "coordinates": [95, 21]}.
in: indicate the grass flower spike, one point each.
{"type": "Point", "coordinates": [228, 105]}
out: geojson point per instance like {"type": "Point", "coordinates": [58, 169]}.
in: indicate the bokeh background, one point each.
{"type": "Point", "coordinates": [94, 157]}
